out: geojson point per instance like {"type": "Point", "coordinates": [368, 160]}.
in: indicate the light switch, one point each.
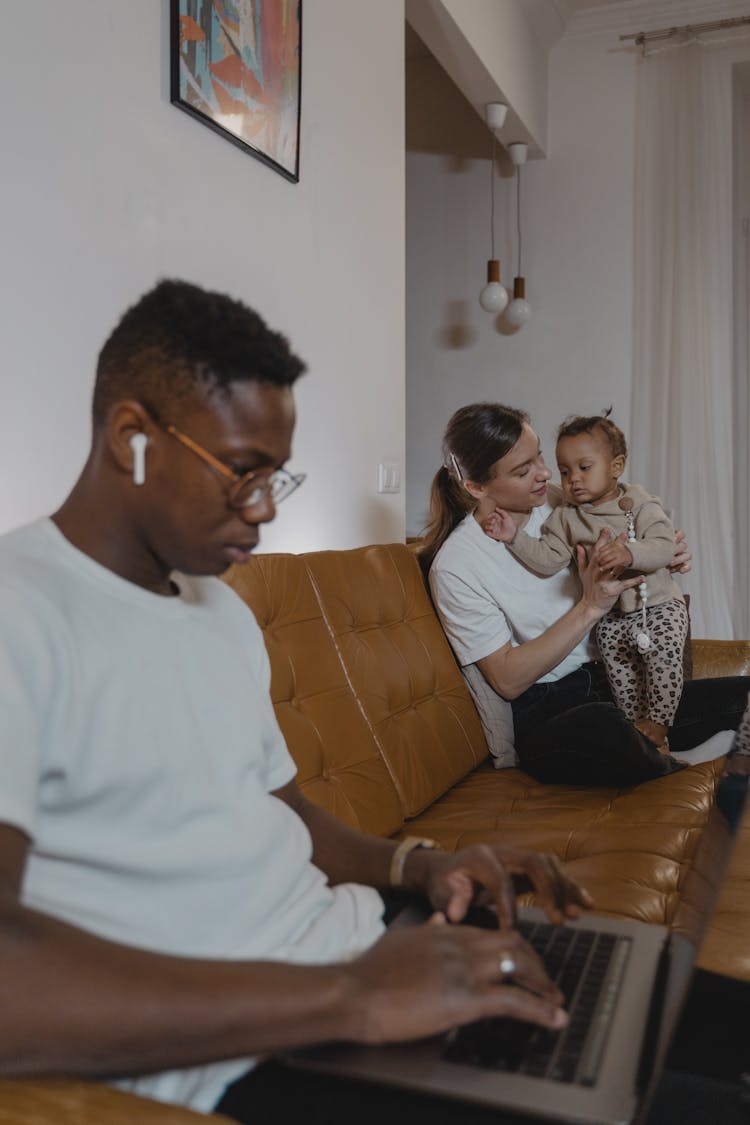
{"type": "Point", "coordinates": [389, 476]}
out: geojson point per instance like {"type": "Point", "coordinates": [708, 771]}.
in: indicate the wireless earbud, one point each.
{"type": "Point", "coordinates": [138, 444]}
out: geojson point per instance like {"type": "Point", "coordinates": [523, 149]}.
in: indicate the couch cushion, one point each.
{"type": "Point", "coordinates": [61, 1101]}
{"type": "Point", "coordinates": [720, 658]}
{"type": "Point", "coordinates": [338, 761]}
{"type": "Point", "coordinates": [726, 947]}
{"type": "Point", "coordinates": [648, 852]}
{"type": "Point", "coordinates": [401, 668]}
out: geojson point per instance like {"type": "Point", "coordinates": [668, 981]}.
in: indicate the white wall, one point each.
{"type": "Point", "coordinates": [107, 187]}
{"type": "Point", "coordinates": [575, 353]}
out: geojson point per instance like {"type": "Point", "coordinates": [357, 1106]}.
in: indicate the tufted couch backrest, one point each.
{"type": "Point", "coordinates": [366, 690]}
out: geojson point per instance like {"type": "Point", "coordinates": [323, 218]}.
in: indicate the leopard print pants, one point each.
{"type": "Point", "coordinates": [742, 739]}
{"type": "Point", "coordinates": [645, 685]}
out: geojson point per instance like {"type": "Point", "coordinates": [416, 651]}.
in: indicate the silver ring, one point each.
{"type": "Point", "coordinates": [507, 966]}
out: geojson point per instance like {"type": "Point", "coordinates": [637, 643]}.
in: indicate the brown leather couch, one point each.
{"type": "Point", "coordinates": [386, 737]}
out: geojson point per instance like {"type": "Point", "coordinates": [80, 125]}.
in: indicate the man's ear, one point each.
{"type": "Point", "coordinates": [124, 421]}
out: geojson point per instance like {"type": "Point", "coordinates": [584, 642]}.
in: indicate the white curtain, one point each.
{"type": "Point", "coordinates": [742, 348]}
{"type": "Point", "coordinates": [682, 410]}
{"type": "Point", "coordinates": [742, 421]}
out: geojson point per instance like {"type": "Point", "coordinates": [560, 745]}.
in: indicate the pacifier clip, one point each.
{"type": "Point", "coordinates": [642, 640]}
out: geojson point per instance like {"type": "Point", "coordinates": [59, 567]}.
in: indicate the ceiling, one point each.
{"type": "Point", "coordinates": [580, 5]}
{"type": "Point", "coordinates": [551, 19]}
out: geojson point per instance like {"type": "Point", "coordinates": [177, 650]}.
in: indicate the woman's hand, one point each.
{"type": "Point", "coordinates": [601, 588]}
{"type": "Point", "coordinates": [681, 560]}
{"type": "Point", "coordinates": [493, 875]}
{"type": "Point", "coordinates": [737, 765]}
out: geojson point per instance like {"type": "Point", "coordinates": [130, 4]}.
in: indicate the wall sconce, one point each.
{"type": "Point", "coordinates": [519, 309]}
{"type": "Point", "coordinates": [494, 297]}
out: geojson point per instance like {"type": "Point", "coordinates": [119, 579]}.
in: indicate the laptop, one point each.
{"type": "Point", "coordinates": [624, 983]}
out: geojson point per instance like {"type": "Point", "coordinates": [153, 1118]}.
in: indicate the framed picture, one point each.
{"type": "Point", "coordinates": [236, 66]}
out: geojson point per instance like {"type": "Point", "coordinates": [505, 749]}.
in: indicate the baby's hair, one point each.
{"type": "Point", "coordinates": [581, 424]}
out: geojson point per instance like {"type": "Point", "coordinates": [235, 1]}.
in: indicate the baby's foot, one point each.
{"type": "Point", "coordinates": [655, 732]}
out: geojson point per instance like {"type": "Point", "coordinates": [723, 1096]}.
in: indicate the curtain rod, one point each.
{"type": "Point", "coordinates": [643, 37]}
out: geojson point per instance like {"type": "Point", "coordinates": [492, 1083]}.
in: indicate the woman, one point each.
{"type": "Point", "coordinates": [524, 638]}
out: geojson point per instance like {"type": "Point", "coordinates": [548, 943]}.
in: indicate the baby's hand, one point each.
{"type": "Point", "coordinates": [500, 526]}
{"type": "Point", "coordinates": [615, 555]}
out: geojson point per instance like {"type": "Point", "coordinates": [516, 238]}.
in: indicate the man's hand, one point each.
{"type": "Point", "coordinates": [421, 980]}
{"type": "Point", "coordinates": [681, 560]}
{"type": "Point", "coordinates": [500, 526]}
{"type": "Point", "coordinates": [494, 874]}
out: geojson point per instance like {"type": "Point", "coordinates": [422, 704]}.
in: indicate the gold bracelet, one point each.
{"type": "Point", "coordinates": [398, 859]}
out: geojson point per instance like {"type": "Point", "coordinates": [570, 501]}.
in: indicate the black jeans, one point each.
{"type": "Point", "coordinates": [568, 731]}
{"type": "Point", "coordinates": [277, 1094]}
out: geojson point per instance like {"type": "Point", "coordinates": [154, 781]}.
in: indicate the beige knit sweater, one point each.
{"type": "Point", "coordinates": [570, 524]}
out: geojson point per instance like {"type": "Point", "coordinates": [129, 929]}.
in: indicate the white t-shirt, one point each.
{"type": "Point", "coordinates": [138, 751]}
{"type": "Point", "coordinates": [485, 599]}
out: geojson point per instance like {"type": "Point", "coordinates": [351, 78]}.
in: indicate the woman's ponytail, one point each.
{"type": "Point", "coordinates": [476, 437]}
{"type": "Point", "coordinates": [449, 503]}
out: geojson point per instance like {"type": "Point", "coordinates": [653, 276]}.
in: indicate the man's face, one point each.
{"type": "Point", "coordinates": [190, 524]}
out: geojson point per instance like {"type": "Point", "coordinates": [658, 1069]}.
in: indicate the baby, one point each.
{"type": "Point", "coordinates": [641, 639]}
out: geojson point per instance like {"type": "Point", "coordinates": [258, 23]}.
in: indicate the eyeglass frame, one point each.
{"type": "Point", "coordinates": [290, 481]}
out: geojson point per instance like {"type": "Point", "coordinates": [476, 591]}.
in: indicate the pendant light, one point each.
{"type": "Point", "coordinates": [519, 309]}
{"type": "Point", "coordinates": [494, 297]}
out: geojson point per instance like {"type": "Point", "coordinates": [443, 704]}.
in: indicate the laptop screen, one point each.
{"type": "Point", "coordinates": [676, 970]}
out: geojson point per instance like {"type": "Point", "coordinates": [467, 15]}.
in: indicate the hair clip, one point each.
{"type": "Point", "coordinates": [454, 465]}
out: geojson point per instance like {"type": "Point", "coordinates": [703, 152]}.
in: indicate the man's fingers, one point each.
{"type": "Point", "coordinates": [461, 891]}
{"type": "Point", "coordinates": [530, 974]}
{"type": "Point", "coordinates": [421, 980]}
{"type": "Point", "coordinates": [504, 895]}
{"type": "Point", "coordinates": [522, 1005]}
{"type": "Point", "coordinates": [566, 895]}
{"type": "Point", "coordinates": [560, 896]}
{"type": "Point", "coordinates": [505, 957]}
{"type": "Point", "coordinates": [478, 871]}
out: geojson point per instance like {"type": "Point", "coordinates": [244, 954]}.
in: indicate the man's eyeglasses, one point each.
{"type": "Point", "coordinates": [250, 489]}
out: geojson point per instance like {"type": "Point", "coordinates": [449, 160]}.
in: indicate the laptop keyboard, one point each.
{"type": "Point", "coordinates": [588, 968]}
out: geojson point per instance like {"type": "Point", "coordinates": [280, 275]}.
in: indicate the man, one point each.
{"type": "Point", "coordinates": [171, 907]}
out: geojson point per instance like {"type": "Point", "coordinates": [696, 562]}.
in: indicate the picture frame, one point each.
{"type": "Point", "coordinates": [236, 66]}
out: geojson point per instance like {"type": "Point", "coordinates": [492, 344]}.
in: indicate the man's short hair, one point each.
{"type": "Point", "coordinates": [178, 339]}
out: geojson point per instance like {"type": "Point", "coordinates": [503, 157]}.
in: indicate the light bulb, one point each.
{"type": "Point", "coordinates": [494, 296]}
{"type": "Point", "coordinates": [519, 309]}
{"type": "Point", "coordinates": [518, 312]}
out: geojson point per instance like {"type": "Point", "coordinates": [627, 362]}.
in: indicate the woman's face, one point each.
{"type": "Point", "coordinates": [519, 479]}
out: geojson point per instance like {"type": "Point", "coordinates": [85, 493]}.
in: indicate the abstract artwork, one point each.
{"type": "Point", "coordinates": [236, 67]}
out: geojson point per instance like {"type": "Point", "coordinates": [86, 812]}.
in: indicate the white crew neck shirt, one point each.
{"type": "Point", "coordinates": [138, 751]}
{"type": "Point", "coordinates": [486, 598]}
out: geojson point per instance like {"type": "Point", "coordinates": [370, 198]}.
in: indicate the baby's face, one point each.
{"type": "Point", "coordinates": [588, 471]}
